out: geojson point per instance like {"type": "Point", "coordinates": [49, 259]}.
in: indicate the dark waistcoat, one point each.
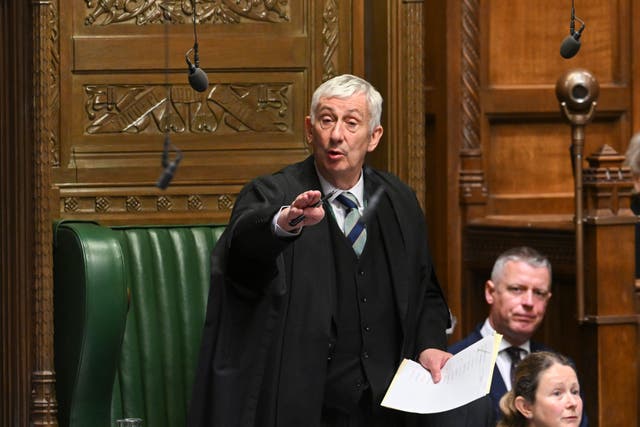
{"type": "Point", "coordinates": [365, 351]}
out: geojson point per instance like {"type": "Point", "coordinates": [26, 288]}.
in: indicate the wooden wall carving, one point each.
{"type": "Point", "coordinates": [412, 44]}
{"type": "Point", "coordinates": [608, 186]}
{"type": "Point", "coordinates": [180, 11]}
{"type": "Point", "coordinates": [46, 143]}
{"type": "Point", "coordinates": [116, 204]}
{"type": "Point", "coordinates": [223, 109]}
{"type": "Point", "coordinates": [125, 88]}
{"type": "Point", "coordinates": [330, 32]}
{"type": "Point", "coordinates": [472, 185]}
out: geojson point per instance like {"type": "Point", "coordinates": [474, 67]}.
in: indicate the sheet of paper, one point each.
{"type": "Point", "coordinates": [465, 377]}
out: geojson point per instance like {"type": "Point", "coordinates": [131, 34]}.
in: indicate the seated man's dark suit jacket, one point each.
{"type": "Point", "coordinates": [498, 387]}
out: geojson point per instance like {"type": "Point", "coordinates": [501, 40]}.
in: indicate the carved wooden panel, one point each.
{"type": "Point", "coordinates": [124, 89]}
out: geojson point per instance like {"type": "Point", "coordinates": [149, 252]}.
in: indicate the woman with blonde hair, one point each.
{"type": "Point", "coordinates": [545, 393]}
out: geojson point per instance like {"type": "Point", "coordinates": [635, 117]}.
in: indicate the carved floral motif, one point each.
{"type": "Point", "coordinates": [195, 203]}
{"type": "Point", "coordinates": [144, 12]}
{"type": "Point", "coordinates": [146, 204]}
{"type": "Point", "coordinates": [70, 204]}
{"type": "Point", "coordinates": [225, 202]}
{"type": "Point", "coordinates": [224, 108]}
{"type": "Point", "coordinates": [164, 203]}
{"type": "Point", "coordinates": [103, 204]}
{"type": "Point", "coordinates": [133, 204]}
{"type": "Point", "coordinates": [330, 33]}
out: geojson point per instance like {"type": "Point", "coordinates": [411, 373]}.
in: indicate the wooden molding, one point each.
{"type": "Point", "coordinates": [413, 77]}
{"type": "Point", "coordinates": [44, 405]}
{"type": "Point", "coordinates": [471, 176]}
{"type": "Point", "coordinates": [139, 204]}
{"type": "Point", "coordinates": [330, 39]}
{"type": "Point", "coordinates": [608, 187]}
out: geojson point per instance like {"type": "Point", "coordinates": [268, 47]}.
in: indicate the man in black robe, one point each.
{"type": "Point", "coordinates": [304, 328]}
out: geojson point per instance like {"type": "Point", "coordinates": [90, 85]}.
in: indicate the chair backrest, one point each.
{"type": "Point", "coordinates": [129, 309]}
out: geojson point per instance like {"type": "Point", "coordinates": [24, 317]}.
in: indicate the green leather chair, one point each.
{"type": "Point", "coordinates": [129, 307]}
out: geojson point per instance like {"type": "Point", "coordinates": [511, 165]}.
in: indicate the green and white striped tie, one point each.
{"type": "Point", "coordinates": [353, 228]}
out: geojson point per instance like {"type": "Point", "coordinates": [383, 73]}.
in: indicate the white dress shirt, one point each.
{"type": "Point", "coordinates": [503, 362]}
{"type": "Point", "coordinates": [338, 210]}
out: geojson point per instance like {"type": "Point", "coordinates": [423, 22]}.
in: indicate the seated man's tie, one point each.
{"type": "Point", "coordinates": [515, 356]}
{"type": "Point", "coordinates": [353, 229]}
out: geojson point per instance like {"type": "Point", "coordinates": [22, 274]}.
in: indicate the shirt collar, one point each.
{"type": "Point", "coordinates": [357, 190]}
{"type": "Point", "coordinates": [487, 330]}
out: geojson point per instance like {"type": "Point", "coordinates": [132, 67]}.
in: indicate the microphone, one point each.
{"type": "Point", "coordinates": [197, 78]}
{"type": "Point", "coordinates": [165, 151]}
{"type": "Point", "coordinates": [167, 174]}
{"type": "Point", "coordinates": [169, 168]}
{"type": "Point", "coordinates": [571, 44]}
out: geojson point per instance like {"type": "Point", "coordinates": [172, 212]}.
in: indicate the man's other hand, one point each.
{"type": "Point", "coordinates": [433, 360]}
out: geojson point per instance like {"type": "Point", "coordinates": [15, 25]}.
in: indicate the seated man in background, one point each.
{"type": "Point", "coordinates": [517, 293]}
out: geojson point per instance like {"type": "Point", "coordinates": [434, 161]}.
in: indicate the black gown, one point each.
{"type": "Point", "coordinates": [263, 357]}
